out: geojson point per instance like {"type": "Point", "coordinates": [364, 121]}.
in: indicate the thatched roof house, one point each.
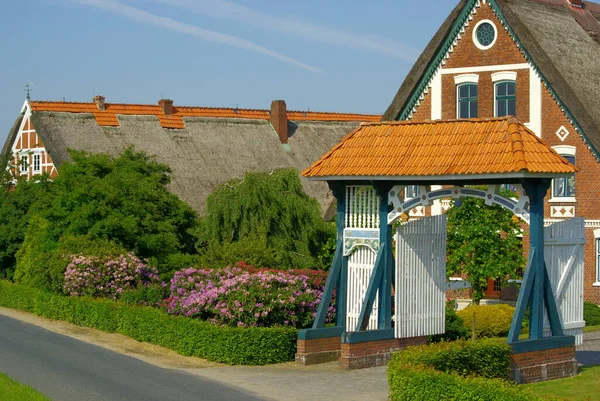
{"type": "Point", "coordinates": [203, 146]}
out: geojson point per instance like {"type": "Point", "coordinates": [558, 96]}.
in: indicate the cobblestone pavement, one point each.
{"type": "Point", "coordinates": [588, 353]}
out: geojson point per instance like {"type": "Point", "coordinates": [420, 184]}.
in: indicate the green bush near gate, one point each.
{"type": "Point", "coordinates": [461, 370]}
{"type": "Point", "coordinates": [189, 337]}
{"type": "Point", "coordinates": [591, 314]}
{"type": "Point", "coordinates": [490, 320]}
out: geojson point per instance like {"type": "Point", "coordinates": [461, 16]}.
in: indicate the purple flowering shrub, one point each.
{"type": "Point", "coordinates": [107, 277]}
{"type": "Point", "coordinates": [235, 297]}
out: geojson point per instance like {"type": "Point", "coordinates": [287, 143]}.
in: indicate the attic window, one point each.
{"type": "Point", "coordinates": [24, 164]}
{"type": "Point", "coordinates": [485, 34]}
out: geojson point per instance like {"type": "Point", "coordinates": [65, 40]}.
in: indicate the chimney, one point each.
{"type": "Point", "coordinates": [576, 3]}
{"type": "Point", "coordinates": [99, 100]}
{"type": "Point", "coordinates": [279, 119]}
{"type": "Point", "coordinates": [167, 106]}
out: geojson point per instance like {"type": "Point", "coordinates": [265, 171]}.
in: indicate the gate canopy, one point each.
{"type": "Point", "coordinates": [498, 150]}
{"type": "Point", "coordinates": [452, 152]}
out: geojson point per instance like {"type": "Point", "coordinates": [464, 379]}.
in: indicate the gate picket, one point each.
{"type": "Point", "coordinates": [563, 250]}
{"type": "Point", "coordinates": [421, 277]}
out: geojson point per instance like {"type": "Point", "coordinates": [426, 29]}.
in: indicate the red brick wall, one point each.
{"type": "Point", "coordinates": [556, 363]}
{"type": "Point", "coordinates": [424, 110]}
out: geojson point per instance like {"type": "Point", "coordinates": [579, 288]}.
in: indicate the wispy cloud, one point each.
{"type": "Point", "coordinates": [204, 34]}
{"type": "Point", "coordinates": [229, 10]}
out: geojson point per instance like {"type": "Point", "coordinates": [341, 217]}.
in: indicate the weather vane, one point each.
{"type": "Point", "coordinates": [28, 90]}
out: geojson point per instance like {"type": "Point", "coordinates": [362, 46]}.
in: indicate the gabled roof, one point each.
{"type": "Point", "coordinates": [560, 41]}
{"type": "Point", "coordinates": [438, 149]}
{"type": "Point", "coordinates": [208, 148]}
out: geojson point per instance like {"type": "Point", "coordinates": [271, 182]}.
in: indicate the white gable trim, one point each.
{"type": "Point", "coordinates": [27, 110]}
{"type": "Point", "coordinates": [504, 76]}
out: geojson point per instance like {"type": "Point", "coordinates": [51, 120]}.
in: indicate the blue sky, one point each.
{"type": "Point", "coordinates": [343, 56]}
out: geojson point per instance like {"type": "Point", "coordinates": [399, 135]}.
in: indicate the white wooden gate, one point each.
{"type": "Point", "coordinates": [421, 277]}
{"type": "Point", "coordinates": [563, 250]}
{"type": "Point", "coordinates": [361, 243]}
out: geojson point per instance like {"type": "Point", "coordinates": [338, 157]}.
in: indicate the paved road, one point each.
{"type": "Point", "coordinates": [66, 369]}
{"type": "Point", "coordinates": [588, 354]}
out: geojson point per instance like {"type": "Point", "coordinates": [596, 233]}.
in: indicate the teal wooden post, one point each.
{"type": "Point", "coordinates": [536, 193]}
{"type": "Point", "coordinates": [336, 280]}
{"type": "Point", "coordinates": [385, 237]}
{"type": "Point", "coordinates": [339, 191]}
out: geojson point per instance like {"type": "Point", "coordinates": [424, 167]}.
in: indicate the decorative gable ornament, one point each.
{"type": "Point", "coordinates": [562, 133]}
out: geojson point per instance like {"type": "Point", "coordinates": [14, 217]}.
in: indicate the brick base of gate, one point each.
{"type": "Point", "coordinates": [536, 366]}
{"type": "Point", "coordinates": [369, 354]}
{"type": "Point", "coordinates": [321, 350]}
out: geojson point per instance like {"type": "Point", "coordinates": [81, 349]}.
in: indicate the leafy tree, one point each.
{"type": "Point", "coordinates": [122, 201]}
{"type": "Point", "coordinates": [265, 219]}
{"type": "Point", "coordinates": [483, 242]}
{"type": "Point", "coordinates": [16, 198]}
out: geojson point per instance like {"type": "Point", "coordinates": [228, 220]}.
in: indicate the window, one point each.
{"type": "Point", "coordinates": [411, 191]}
{"type": "Point", "coordinates": [467, 105]}
{"type": "Point", "coordinates": [37, 163]}
{"type": "Point", "coordinates": [24, 164]}
{"type": "Point", "coordinates": [485, 34]}
{"type": "Point", "coordinates": [564, 187]}
{"type": "Point", "coordinates": [506, 99]}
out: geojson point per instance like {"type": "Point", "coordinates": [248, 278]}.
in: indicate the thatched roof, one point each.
{"type": "Point", "coordinates": [207, 152]}
{"type": "Point", "coordinates": [561, 41]}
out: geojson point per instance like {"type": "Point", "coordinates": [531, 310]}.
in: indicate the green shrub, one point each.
{"type": "Point", "coordinates": [42, 261]}
{"type": "Point", "coordinates": [190, 337]}
{"type": "Point", "coordinates": [421, 383]}
{"type": "Point", "coordinates": [591, 314]}
{"type": "Point", "coordinates": [487, 358]}
{"type": "Point", "coordinates": [461, 370]}
{"type": "Point", "coordinates": [265, 219]}
{"type": "Point", "coordinates": [490, 320]}
{"type": "Point", "coordinates": [152, 295]}
{"type": "Point", "coordinates": [454, 326]}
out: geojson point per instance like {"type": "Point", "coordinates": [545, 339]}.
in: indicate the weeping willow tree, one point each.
{"type": "Point", "coordinates": [265, 219]}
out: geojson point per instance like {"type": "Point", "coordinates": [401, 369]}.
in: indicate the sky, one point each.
{"type": "Point", "coordinates": [320, 55]}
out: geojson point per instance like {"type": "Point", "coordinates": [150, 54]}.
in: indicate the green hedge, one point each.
{"type": "Point", "coordinates": [422, 383]}
{"type": "Point", "coordinates": [591, 314]}
{"type": "Point", "coordinates": [465, 370]}
{"type": "Point", "coordinates": [236, 346]}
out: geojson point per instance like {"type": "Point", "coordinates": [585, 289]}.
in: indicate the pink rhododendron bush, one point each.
{"type": "Point", "coordinates": [236, 297]}
{"type": "Point", "coordinates": [107, 277]}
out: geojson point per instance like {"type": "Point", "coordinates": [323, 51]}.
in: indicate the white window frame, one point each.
{"type": "Point", "coordinates": [597, 241]}
{"type": "Point", "coordinates": [463, 81]}
{"type": "Point", "coordinates": [476, 41]}
{"type": "Point", "coordinates": [37, 156]}
{"type": "Point", "coordinates": [563, 150]}
{"type": "Point", "coordinates": [495, 94]}
{"type": "Point", "coordinates": [24, 166]}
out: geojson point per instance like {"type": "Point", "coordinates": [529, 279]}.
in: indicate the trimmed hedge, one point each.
{"type": "Point", "coordinates": [189, 337]}
{"type": "Point", "coordinates": [422, 383]}
{"type": "Point", "coordinates": [488, 358]}
{"type": "Point", "coordinates": [461, 370]}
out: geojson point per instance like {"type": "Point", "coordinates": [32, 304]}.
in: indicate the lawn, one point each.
{"type": "Point", "coordinates": [580, 388]}
{"type": "Point", "coordinates": [11, 390]}
{"type": "Point", "coordinates": [589, 329]}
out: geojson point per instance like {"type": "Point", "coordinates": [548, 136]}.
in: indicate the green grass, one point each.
{"type": "Point", "coordinates": [580, 388]}
{"type": "Point", "coordinates": [589, 329]}
{"type": "Point", "coordinates": [11, 390]}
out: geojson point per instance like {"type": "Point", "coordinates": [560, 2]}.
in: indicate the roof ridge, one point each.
{"type": "Point", "coordinates": [311, 112]}
{"type": "Point", "coordinates": [516, 143]}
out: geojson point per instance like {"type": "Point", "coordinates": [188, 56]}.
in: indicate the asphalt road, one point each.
{"type": "Point", "coordinates": [65, 369]}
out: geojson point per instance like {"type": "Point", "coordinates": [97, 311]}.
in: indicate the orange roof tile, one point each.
{"type": "Point", "coordinates": [439, 148]}
{"type": "Point", "coordinates": [108, 117]}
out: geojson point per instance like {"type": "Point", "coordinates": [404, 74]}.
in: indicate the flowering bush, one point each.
{"type": "Point", "coordinates": [235, 297]}
{"type": "Point", "coordinates": [107, 277]}
{"type": "Point", "coordinates": [316, 278]}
